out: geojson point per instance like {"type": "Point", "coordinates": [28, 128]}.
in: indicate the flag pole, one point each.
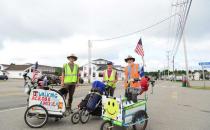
{"type": "Point", "coordinates": [143, 61]}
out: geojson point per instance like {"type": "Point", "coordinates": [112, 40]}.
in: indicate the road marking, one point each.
{"type": "Point", "coordinates": [11, 109]}
{"type": "Point", "coordinates": [5, 94]}
{"type": "Point", "coordinates": [76, 99]}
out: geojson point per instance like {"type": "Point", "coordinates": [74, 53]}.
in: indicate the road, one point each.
{"type": "Point", "coordinates": [170, 107]}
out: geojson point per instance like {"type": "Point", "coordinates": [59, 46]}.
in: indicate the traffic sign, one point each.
{"type": "Point", "coordinates": [204, 63]}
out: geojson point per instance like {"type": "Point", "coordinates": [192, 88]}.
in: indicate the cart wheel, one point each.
{"type": "Point", "coordinates": [106, 125]}
{"type": "Point", "coordinates": [84, 116]}
{"type": "Point", "coordinates": [75, 118]}
{"type": "Point", "coordinates": [36, 116]}
{"type": "Point", "coordinates": [138, 119]}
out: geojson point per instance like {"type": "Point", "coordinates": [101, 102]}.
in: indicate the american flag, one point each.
{"type": "Point", "coordinates": [139, 48]}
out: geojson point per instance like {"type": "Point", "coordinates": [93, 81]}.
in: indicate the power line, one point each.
{"type": "Point", "coordinates": [182, 16]}
{"type": "Point", "coordinates": [138, 31]}
{"type": "Point", "coordinates": [183, 27]}
{"type": "Point", "coordinates": [174, 45]}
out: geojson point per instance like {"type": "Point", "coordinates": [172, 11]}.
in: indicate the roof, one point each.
{"type": "Point", "coordinates": [102, 68]}
{"type": "Point", "coordinates": [18, 67]}
{"type": "Point", "coordinates": [46, 66]}
{"type": "Point", "coordinates": [99, 64]}
{"type": "Point", "coordinates": [5, 65]}
{"type": "Point", "coordinates": [100, 59]}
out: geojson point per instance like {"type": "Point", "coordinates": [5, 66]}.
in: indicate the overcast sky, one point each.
{"type": "Point", "coordinates": [48, 30]}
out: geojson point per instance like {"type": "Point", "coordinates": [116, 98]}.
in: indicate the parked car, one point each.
{"type": "Point", "coordinates": [3, 77]}
{"type": "Point", "coordinates": [52, 79]}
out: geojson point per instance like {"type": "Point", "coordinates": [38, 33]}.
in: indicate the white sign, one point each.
{"type": "Point", "coordinates": [51, 100]}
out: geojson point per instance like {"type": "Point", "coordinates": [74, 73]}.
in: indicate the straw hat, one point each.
{"type": "Point", "coordinates": [129, 58]}
{"type": "Point", "coordinates": [72, 56]}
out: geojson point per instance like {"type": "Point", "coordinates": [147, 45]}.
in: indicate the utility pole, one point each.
{"type": "Point", "coordinates": [204, 84]}
{"type": "Point", "coordinates": [183, 23]}
{"type": "Point", "coordinates": [168, 62]}
{"type": "Point", "coordinates": [89, 61]}
{"type": "Point", "coordinates": [186, 60]}
{"type": "Point", "coordinates": [164, 73]}
{"type": "Point", "coordinates": [173, 69]}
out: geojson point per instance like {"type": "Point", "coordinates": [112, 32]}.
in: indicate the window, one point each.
{"type": "Point", "coordinates": [94, 68]}
{"type": "Point", "coordinates": [0, 67]}
{"type": "Point", "coordinates": [100, 74]}
{"type": "Point", "coordinates": [85, 74]}
{"type": "Point", "coordinates": [84, 68]}
{"type": "Point", "coordinates": [94, 74]}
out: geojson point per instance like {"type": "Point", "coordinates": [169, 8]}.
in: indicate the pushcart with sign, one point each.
{"type": "Point", "coordinates": [42, 103]}
{"type": "Point", "coordinates": [124, 112]}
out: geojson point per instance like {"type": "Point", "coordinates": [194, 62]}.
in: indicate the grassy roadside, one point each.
{"type": "Point", "coordinates": [200, 87]}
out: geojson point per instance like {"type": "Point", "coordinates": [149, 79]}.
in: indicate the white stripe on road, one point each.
{"type": "Point", "coordinates": [16, 108]}
{"type": "Point", "coordinates": [11, 109]}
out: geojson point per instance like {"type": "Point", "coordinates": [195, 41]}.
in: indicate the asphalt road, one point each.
{"type": "Point", "coordinates": [170, 107]}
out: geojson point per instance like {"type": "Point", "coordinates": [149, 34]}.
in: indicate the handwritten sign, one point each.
{"type": "Point", "coordinates": [51, 100]}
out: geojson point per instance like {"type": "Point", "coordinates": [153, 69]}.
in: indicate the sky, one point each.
{"type": "Point", "coordinates": [48, 31]}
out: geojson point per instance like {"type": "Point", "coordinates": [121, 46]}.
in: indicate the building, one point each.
{"type": "Point", "coordinates": [97, 69]}
{"type": "Point", "coordinates": [3, 67]}
{"type": "Point", "coordinates": [17, 71]}
{"type": "Point", "coordinates": [196, 76]}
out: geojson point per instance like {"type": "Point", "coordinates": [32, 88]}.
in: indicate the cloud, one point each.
{"type": "Point", "coordinates": [49, 30]}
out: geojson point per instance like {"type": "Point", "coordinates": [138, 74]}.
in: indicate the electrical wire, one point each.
{"type": "Point", "coordinates": [138, 31]}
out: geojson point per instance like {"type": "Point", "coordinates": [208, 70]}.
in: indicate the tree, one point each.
{"type": "Point", "coordinates": [58, 71]}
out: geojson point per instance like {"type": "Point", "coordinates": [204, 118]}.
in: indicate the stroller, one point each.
{"type": "Point", "coordinates": [91, 104]}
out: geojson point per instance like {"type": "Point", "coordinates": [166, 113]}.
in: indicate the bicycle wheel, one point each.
{"type": "Point", "coordinates": [141, 120]}
{"type": "Point", "coordinates": [75, 118]}
{"type": "Point", "coordinates": [84, 116]}
{"type": "Point", "coordinates": [106, 125]}
{"type": "Point", "coordinates": [36, 116]}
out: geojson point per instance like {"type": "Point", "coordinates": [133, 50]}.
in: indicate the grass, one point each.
{"type": "Point", "coordinates": [201, 87]}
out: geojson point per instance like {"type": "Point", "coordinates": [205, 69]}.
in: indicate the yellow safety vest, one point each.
{"type": "Point", "coordinates": [70, 76]}
{"type": "Point", "coordinates": [111, 78]}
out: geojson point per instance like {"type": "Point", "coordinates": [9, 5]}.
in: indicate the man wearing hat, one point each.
{"type": "Point", "coordinates": [132, 71]}
{"type": "Point", "coordinates": [70, 77]}
{"type": "Point", "coordinates": [110, 76]}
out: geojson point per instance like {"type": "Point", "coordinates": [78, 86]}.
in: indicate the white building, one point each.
{"type": "Point", "coordinates": [196, 76]}
{"type": "Point", "coordinates": [97, 68]}
{"type": "Point", "coordinates": [17, 71]}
